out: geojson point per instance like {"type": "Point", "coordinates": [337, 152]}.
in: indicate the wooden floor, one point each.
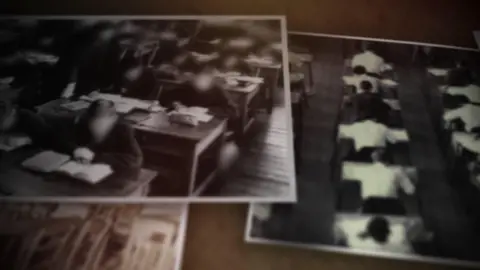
{"type": "Point", "coordinates": [263, 168]}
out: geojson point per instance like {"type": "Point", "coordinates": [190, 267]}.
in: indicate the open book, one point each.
{"type": "Point", "coordinates": [90, 173]}
{"type": "Point", "coordinates": [50, 161]}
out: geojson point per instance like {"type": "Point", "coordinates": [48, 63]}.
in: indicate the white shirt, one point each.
{"type": "Point", "coordinates": [472, 92]}
{"type": "Point", "coordinates": [467, 140]}
{"type": "Point", "coordinates": [262, 211]}
{"type": "Point", "coordinates": [378, 180]}
{"type": "Point", "coordinates": [372, 62]}
{"type": "Point", "coordinates": [468, 113]}
{"type": "Point", "coordinates": [356, 80]}
{"type": "Point", "coordinates": [369, 133]}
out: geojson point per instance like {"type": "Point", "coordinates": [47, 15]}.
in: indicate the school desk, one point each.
{"type": "Point", "coordinates": [18, 181]}
{"type": "Point", "coordinates": [158, 137]}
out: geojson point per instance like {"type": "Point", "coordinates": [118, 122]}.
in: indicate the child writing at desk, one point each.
{"type": "Point", "coordinates": [97, 136]}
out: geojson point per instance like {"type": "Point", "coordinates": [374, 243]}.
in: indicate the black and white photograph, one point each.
{"type": "Point", "coordinates": [92, 236]}
{"type": "Point", "coordinates": [386, 140]}
{"type": "Point", "coordinates": [146, 107]}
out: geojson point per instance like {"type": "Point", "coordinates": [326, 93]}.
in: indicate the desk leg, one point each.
{"type": "Point", "coordinates": [191, 171]}
{"type": "Point", "coordinates": [243, 105]}
{"type": "Point", "coordinates": [272, 88]}
{"type": "Point", "coordinates": [310, 77]}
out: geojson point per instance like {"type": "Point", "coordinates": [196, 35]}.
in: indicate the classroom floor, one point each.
{"type": "Point", "coordinates": [312, 217]}
{"type": "Point", "coordinates": [262, 169]}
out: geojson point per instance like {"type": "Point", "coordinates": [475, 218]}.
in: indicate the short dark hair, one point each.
{"type": "Point", "coordinates": [99, 108]}
{"type": "Point", "coordinates": [366, 86]}
{"type": "Point", "coordinates": [359, 70]}
{"type": "Point", "coordinates": [459, 77]}
{"type": "Point", "coordinates": [379, 229]}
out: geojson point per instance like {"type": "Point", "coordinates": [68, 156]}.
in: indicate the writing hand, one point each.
{"type": "Point", "coordinates": [83, 155]}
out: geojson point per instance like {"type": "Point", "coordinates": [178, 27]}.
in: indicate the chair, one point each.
{"type": "Point", "coordinates": [349, 197]}
{"type": "Point", "coordinates": [383, 206]}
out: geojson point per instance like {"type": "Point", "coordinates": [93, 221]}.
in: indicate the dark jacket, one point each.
{"type": "Point", "coordinates": [119, 149]}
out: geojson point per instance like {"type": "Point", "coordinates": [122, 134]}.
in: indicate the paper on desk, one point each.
{"type": "Point", "coordinates": [250, 79]}
{"type": "Point", "coordinates": [76, 105]}
{"type": "Point", "coordinates": [476, 34]}
{"type": "Point", "coordinates": [123, 108]}
{"type": "Point", "coordinates": [438, 71]}
{"type": "Point", "coordinates": [389, 83]}
{"type": "Point", "coordinates": [246, 89]}
{"type": "Point", "coordinates": [393, 103]}
{"type": "Point", "coordinates": [467, 141]}
{"type": "Point", "coordinates": [201, 114]}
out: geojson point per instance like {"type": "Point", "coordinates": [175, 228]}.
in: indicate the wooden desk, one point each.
{"type": "Point", "coordinates": [271, 73]}
{"type": "Point", "coordinates": [17, 181]}
{"type": "Point", "coordinates": [188, 144]}
{"type": "Point", "coordinates": [304, 58]}
{"type": "Point", "coordinates": [244, 97]}
{"type": "Point", "coordinates": [157, 136]}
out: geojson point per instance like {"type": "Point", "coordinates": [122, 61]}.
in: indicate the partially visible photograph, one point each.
{"type": "Point", "coordinates": [92, 236]}
{"type": "Point", "coordinates": [386, 143]}
{"type": "Point", "coordinates": [145, 108]}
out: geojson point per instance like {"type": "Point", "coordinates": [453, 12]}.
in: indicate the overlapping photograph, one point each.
{"type": "Point", "coordinates": [386, 144]}
{"type": "Point", "coordinates": [145, 108]}
{"type": "Point", "coordinates": [92, 236]}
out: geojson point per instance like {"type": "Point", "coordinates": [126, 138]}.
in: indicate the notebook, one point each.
{"type": "Point", "coordinates": [50, 161]}
{"type": "Point", "coordinates": [76, 105]}
{"type": "Point", "coordinates": [47, 161]}
{"type": "Point", "coordinates": [90, 173]}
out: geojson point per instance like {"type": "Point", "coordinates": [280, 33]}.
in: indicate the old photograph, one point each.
{"type": "Point", "coordinates": [386, 140]}
{"type": "Point", "coordinates": [146, 108]}
{"type": "Point", "coordinates": [92, 236]}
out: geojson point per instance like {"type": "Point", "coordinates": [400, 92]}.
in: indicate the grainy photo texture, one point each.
{"type": "Point", "coordinates": [114, 107]}
{"type": "Point", "coordinates": [387, 145]}
{"type": "Point", "coordinates": [92, 236]}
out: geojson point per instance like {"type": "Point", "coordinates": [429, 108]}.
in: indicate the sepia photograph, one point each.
{"type": "Point", "coordinates": [92, 236]}
{"type": "Point", "coordinates": [146, 107]}
{"type": "Point", "coordinates": [386, 140]}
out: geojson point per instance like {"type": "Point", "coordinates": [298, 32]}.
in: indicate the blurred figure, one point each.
{"type": "Point", "coordinates": [15, 121]}
{"type": "Point", "coordinates": [98, 136]}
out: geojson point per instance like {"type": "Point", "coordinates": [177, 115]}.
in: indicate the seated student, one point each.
{"type": "Point", "coordinates": [370, 105]}
{"type": "Point", "coordinates": [370, 136]}
{"type": "Point", "coordinates": [379, 179]}
{"type": "Point", "coordinates": [468, 114]}
{"type": "Point", "coordinates": [362, 83]}
{"type": "Point", "coordinates": [460, 88]}
{"type": "Point", "coordinates": [371, 62]}
{"type": "Point", "coordinates": [16, 121]}
{"type": "Point", "coordinates": [379, 234]}
{"type": "Point", "coordinates": [97, 136]}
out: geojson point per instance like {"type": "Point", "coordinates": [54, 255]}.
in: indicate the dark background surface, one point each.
{"type": "Point", "coordinates": [215, 232]}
